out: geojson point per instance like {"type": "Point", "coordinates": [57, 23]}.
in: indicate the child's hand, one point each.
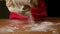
{"type": "Point", "coordinates": [33, 6]}
{"type": "Point", "coordinates": [30, 5]}
{"type": "Point", "coordinates": [34, 3]}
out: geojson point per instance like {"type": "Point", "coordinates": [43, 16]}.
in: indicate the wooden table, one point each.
{"type": "Point", "coordinates": [7, 22]}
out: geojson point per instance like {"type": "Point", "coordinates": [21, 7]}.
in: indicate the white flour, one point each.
{"type": "Point", "coordinates": [44, 27]}
{"type": "Point", "coordinates": [7, 29]}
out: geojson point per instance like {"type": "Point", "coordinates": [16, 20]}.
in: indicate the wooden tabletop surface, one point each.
{"type": "Point", "coordinates": [7, 22]}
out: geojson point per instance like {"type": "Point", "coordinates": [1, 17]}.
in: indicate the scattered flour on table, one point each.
{"type": "Point", "coordinates": [44, 27]}
{"type": "Point", "coordinates": [7, 29]}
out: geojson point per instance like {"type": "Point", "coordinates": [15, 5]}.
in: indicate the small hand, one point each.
{"type": "Point", "coordinates": [33, 5]}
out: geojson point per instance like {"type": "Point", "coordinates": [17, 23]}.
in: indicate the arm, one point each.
{"type": "Point", "coordinates": [40, 11]}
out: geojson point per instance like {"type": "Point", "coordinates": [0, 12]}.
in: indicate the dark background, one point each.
{"type": "Point", "coordinates": [52, 9]}
{"type": "Point", "coordinates": [4, 13]}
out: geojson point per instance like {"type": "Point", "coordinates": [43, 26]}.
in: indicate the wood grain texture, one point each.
{"type": "Point", "coordinates": [5, 22]}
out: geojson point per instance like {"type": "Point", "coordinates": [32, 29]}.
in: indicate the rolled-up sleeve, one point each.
{"type": "Point", "coordinates": [40, 11]}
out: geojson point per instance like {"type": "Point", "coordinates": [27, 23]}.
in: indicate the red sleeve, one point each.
{"type": "Point", "coordinates": [40, 11]}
